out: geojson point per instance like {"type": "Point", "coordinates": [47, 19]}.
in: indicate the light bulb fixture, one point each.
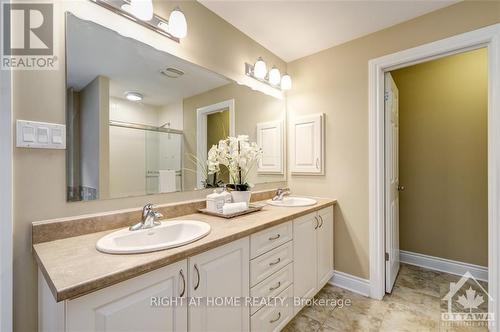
{"type": "Point", "coordinates": [134, 96]}
{"type": "Point", "coordinates": [274, 76]}
{"type": "Point", "coordinates": [286, 82]}
{"type": "Point", "coordinates": [260, 69]}
{"type": "Point", "coordinates": [142, 12]}
{"type": "Point", "coordinates": [142, 9]}
{"type": "Point", "coordinates": [177, 25]}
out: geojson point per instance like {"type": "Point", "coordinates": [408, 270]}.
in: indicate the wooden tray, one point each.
{"type": "Point", "coordinates": [251, 208]}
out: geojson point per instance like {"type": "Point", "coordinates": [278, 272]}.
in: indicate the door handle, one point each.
{"type": "Point", "coordinates": [321, 218]}
{"type": "Point", "coordinates": [401, 188]}
{"type": "Point", "coordinates": [183, 284]}
{"type": "Point", "coordinates": [198, 277]}
{"type": "Point", "coordinates": [317, 163]}
{"type": "Point", "coordinates": [317, 223]}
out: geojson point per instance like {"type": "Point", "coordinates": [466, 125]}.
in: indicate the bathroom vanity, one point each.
{"type": "Point", "coordinates": [277, 252]}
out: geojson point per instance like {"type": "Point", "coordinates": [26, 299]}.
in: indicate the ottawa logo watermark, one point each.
{"type": "Point", "coordinates": [28, 36]}
{"type": "Point", "coordinates": [467, 304]}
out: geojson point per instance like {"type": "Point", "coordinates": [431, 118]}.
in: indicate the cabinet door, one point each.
{"type": "Point", "coordinates": [304, 256]}
{"type": "Point", "coordinates": [325, 246]}
{"type": "Point", "coordinates": [307, 145]}
{"type": "Point", "coordinates": [270, 139]}
{"type": "Point", "coordinates": [130, 305]}
{"type": "Point", "coordinates": [221, 273]}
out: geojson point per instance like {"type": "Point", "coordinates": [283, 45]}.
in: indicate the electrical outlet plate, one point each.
{"type": "Point", "coordinates": [40, 135]}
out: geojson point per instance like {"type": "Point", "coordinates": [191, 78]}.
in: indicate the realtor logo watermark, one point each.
{"type": "Point", "coordinates": [28, 36]}
{"type": "Point", "coordinates": [467, 304]}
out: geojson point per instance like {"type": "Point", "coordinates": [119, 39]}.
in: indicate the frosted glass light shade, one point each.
{"type": "Point", "coordinates": [274, 76]}
{"type": "Point", "coordinates": [286, 82]}
{"type": "Point", "coordinates": [142, 9]}
{"type": "Point", "coordinates": [260, 69]}
{"type": "Point", "coordinates": [177, 25]}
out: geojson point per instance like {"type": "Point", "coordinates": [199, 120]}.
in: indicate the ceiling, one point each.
{"type": "Point", "coordinates": [293, 29]}
{"type": "Point", "coordinates": [93, 50]}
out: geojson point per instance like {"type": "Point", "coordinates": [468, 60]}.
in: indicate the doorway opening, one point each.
{"type": "Point", "coordinates": [436, 166]}
{"type": "Point", "coordinates": [219, 118]}
{"type": "Point", "coordinates": [379, 198]}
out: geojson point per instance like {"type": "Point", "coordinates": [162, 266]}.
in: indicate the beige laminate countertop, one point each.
{"type": "Point", "coordinates": [73, 267]}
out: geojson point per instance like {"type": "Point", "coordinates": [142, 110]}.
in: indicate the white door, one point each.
{"type": "Point", "coordinates": [134, 305]}
{"type": "Point", "coordinates": [392, 182]}
{"type": "Point", "coordinates": [304, 257]}
{"type": "Point", "coordinates": [325, 246]}
{"type": "Point", "coordinates": [220, 273]}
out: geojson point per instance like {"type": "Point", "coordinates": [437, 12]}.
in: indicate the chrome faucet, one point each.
{"type": "Point", "coordinates": [149, 218]}
{"type": "Point", "coordinates": [280, 193]}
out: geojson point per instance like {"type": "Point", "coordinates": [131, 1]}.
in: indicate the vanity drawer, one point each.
{"type": "Point", "coordinates": [265, 265]}
{"type": "Point", "coordinates": [268, 239]}
{"type": "Point", "coordinates": [273, 285]}
{"type": "Point", "coordinates": [274, 317]}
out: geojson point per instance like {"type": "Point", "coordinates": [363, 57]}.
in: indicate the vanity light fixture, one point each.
{"type": "Point", "coordinates": [133, 96]}
{"type": "Point", "coordinates": [141, 12]}
{"type": "Point", "coordinates": [177, 24]}
{"type": "Point", "coordinates": [272, 78]}
{"type": "Point", "coordinates": [286, 82]}
{"type": "Point", "coordinates": [142, 9]}
{"type": "Point", "coordinates": [260, 69]}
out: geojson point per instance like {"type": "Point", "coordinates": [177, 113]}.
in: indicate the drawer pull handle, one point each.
{"type": "Point", "coordinates": [275, 262]}
{"type": "Point", "coordinates": [276, 319]}
{"type": "Point", "coordinates": [317, 223]}
{"type": "Point", "coordinates": [272, 238]}
{"type": "Point", "coordinates": [183, 284]}
{"type": "Point", "coordinates": [321, 218]}
{"type": "Point", "coordinates": [275, 287]}
{"type": "Point", "coordinates": [198, 277]}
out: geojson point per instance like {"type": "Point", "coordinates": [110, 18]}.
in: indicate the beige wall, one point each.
{"type": "Point", "coordinates": [250, 108]}
{"type": "Point", "coordinates": [40, 175]}
{"type": "Point", "coordinates": [443, 164]}
{"type": "Point", "coordinates": [335, 81]}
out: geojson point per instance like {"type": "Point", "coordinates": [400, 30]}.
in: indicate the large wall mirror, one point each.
{"type": "Point", "coordinates": [138, 118]}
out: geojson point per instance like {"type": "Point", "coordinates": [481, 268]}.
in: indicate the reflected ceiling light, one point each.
{"type": "Point", "coordinates": [260, 69]}
{"type": "Point", "coordinates": [177, 25]}
{"type": "Point", "coordinates": [274, 76]}
{"type": "Point", "coordinates": [133, 96]}
{"type": "Point", "coordinates": [286, 82]}
{"type": "Point", "coordinates": [142, 9]}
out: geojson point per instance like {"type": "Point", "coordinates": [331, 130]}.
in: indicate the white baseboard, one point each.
{"type": "Point", "coordinates": [443, 265]}
{"type": "Point", "coordinates": [351, 283]}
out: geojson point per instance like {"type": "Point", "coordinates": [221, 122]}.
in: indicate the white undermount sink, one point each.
{"type": "Point", "coordinates": [292, 201]}
{"type": "Point", "coordinates": [170, 234]}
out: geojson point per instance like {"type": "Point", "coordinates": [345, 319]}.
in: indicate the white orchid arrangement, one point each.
{"type": "Point", "coordinates": [239, 155]}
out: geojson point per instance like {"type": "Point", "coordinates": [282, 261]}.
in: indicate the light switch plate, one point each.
{"type": "Point", "coordinates": [40, 135]}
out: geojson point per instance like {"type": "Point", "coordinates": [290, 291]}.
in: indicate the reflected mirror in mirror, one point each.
{"type": "Point", "coordinates": [139, 118]}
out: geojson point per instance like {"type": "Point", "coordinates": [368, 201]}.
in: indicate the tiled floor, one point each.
{"type": "Point", "coordinates": [414, 305]}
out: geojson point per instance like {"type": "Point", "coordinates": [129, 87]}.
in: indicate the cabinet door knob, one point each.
{"type": "Point", "coordinates": [272, 238]}
{"type": "Point", "coordinates": [197, 277]}
{"type": "Point", "coordinates": [317, 163]}
{"type": "Point", "coordinates": [275, 262]}
{"type": "Point", "coordinates": [321, 218]}
{"type": "Point", "coordinates": [401, 188]}
{"type": "Point", "coordinates": [275, 287]}
{"type": "Point", "coordinates": [276, 319]}
{"type": "Point", "coordinates": [183, 284]}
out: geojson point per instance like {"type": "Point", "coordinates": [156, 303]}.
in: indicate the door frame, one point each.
{"type": "Point", "coordinates": [201, 131]}
{"type": "Point", "coordinates": [6, 201]}
{"type": "Point", "coordinates": [488, 37]}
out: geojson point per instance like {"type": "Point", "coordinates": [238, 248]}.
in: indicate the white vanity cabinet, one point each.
{"type": "Point", "coordinates": [130, 305]}
{"type": "Point", "coordinates": [217, 274]}
{"type": "Point", "coordinates": [313, 253]}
